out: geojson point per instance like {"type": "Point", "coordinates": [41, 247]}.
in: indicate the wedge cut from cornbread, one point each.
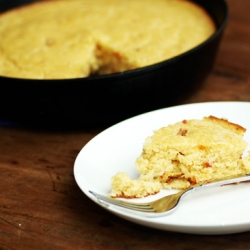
{"type": "Point", "coordinates": [187, 153]}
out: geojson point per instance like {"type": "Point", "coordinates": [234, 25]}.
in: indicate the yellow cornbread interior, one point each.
{"type": "Point", "coordinates": [78, 38]}
{"type": "Point", "coordinates": [185, 154]}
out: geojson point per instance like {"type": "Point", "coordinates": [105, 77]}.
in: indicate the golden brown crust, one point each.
{"type": "Point", "coordinates": [226, 124]}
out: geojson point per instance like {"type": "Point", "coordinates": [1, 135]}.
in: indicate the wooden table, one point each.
{"type": "Point", "coordinates": [41, 207]}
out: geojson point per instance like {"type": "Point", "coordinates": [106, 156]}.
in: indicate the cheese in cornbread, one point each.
{"type": "Point", "coordinates": [185, 154]}
{"type": "Point", "coordinates": [57, 39]}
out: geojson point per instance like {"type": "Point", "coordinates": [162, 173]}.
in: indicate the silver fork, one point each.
{"type": "Point", "coordinates": [168, 203]}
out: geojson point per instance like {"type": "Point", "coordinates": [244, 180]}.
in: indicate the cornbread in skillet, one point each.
{"type": "Point", "coordinates": [78, 38]}
{"type": "Point", "coordinates": [184, 154]}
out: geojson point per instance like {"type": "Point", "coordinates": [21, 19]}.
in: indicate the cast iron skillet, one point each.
{"type": "Point", "coordinates": [105, 100]}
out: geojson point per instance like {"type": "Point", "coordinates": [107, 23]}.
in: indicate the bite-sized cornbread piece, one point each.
{"type": "Point", "coordinates": [71, 39]}
{"type": "Point", "coordinates": [125, 187]}
{"type": "Point", "coordinates": [191, 152]}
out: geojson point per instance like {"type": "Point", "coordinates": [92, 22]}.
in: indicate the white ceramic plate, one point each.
{"type": "Point", "coordinates": [221, 210]}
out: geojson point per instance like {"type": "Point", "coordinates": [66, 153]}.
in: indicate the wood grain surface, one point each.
{"type": "Point", "coordinates": [41, 207]}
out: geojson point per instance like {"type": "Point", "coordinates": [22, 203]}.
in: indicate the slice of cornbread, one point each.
{"type": "Point", "coordinates": [188, 153]}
